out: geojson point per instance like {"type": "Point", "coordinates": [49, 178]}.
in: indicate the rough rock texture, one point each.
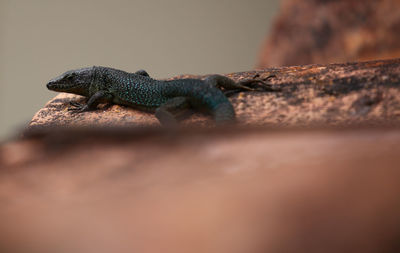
{"type": "Point", "coordinates": [211, 191]}
{"type": "Point", "coordinates": [333, 94]}
{"type": "Point", "coordinates": [323, 31]}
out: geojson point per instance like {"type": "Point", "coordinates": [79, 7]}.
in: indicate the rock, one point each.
{"type": "Point", "coordinates": [333, 94]}
{"type": "Point", "coordinates": [202, 191]}
{"type": "Point", "coordinates": [319, 31]}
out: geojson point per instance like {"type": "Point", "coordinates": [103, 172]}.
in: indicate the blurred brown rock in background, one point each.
{"type": "Point", "coordinates": [324, 31]}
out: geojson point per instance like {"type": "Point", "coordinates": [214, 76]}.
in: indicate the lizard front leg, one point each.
{"type": "Point", "coordinates": [92, 103]}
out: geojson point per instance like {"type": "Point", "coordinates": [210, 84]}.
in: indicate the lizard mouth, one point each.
{"type": "Point", "coordinates": [67, 87]}
{"type": "Point", "coordinates": [51, 85]}
{"type": "Point", "coordinates": [57, 86]}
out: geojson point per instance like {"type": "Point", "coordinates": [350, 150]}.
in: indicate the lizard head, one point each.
{"type": "Point", "coordinates": [74, 81]}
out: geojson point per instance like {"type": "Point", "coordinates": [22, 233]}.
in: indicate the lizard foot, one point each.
{"type": "Point", "coordinates": [257, 84]}
{"type": "Point", "coordinates": [77, 107]}
{"type": "Point", "coordinates": [166, 118]}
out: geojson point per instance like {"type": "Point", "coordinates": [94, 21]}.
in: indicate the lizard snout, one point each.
{"type": "Point", "coordinates": [50, 85]}
{"type": "Point", "coordinates": [53, 85]}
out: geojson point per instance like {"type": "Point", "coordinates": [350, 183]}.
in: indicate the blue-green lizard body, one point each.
{"type": "Point", "coordinates": [139, 90]}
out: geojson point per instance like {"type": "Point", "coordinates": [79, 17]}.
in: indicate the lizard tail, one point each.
{"type": "Point", "coordinates": [204, 96]}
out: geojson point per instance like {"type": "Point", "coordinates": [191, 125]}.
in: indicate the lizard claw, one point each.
{"type": "Point", "coordinates": [258, 84]}
{"type": "Point", "coordinates": [268, 77]}
{"type": "Point", "coordinates": [77, 107]}
{"type": "Point", "coordinates": [252, 84]}
{"type": "Point", "coordinates": [75, 104]}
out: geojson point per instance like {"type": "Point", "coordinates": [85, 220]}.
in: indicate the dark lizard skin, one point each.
{"type": "Point", "coordinates": [139, 90]}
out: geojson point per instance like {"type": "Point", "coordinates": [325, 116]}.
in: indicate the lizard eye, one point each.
{"type": "Point", "coordinates": [69, 77]}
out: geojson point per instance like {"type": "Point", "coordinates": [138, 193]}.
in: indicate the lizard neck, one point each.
{"type": "Point", "coordinates": [99, 79]}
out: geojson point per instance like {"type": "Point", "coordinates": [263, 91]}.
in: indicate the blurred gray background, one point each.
{"type": "Point", "coordinates": [41, 39]}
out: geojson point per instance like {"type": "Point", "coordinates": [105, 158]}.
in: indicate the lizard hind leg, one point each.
{"type": "Point", "coordinates": [231, 87]}
{"type": "Point", "coordinates": [172, 111]}
{"type": "Point", "coordinates": [226, 83]}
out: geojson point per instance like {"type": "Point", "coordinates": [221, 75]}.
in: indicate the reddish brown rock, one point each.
{"type": "Point", "coordinates": [323, 31]}
{"type": "Point", "coordinates": [212, 191]}
{"type": "Point", "coordinates": [335, 94]}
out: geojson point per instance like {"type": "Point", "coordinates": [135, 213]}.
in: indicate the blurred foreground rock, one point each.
{"type": "Point", "coordinates": [316, 31]}
{"type": "Point", "coordinates": [202, 191]}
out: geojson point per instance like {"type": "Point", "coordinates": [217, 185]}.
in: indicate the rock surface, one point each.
{"type": "Point", "coordinates": [211, 191]}
{"type": "Point", "coordinates": [334, 94]}
{"type": "Point", "coordinates": [316, 31]}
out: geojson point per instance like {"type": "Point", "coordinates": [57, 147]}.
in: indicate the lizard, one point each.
{"type": "Point", "coordinates": [166, 98]}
